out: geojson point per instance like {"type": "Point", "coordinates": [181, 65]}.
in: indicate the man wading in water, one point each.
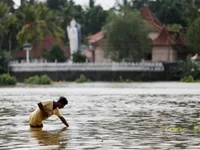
{"type": "Point", "coordinates": [45, 110]}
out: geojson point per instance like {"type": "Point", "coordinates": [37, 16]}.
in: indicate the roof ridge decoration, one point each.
{"type": "Point", "coordinates": [164, 38]}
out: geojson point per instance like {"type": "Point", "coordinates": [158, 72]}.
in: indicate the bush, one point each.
{"type": "Point", "coordinates": [44, 79]}
{"type": "Point", "coordinates": [77, 57]}
{"type": "Point", "coordinates": [189, 69]}
{"type": "Point", "coordinates": [6, 79]}
{"type": "Point", "coordinates": [33, 80]}
{"type": "Point", "coordinates": [124, 80]}
{"type": "Point", "coordinates": [82, 79]}
{"type": "Point", "coordinates": [5, 57]}
{"type": "Point", "coordinates": [187, 79]}
{"type": "Point", "coordinates": [56, 53]}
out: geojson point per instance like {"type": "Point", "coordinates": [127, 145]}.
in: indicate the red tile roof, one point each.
{"type": "Point", "coordinates": [164, 38]}
{"type": "Point", "coordinates": [181, 38]}
{"type": "Point", "coordinates": [148, 15]}
{"type": "Point", "coordinates": [21, 53]}
{"type": "Point", "coordinates": [96, 37]}
{"type": "Point", "coordinates": [153, 21]}
{"type": "Point", "coordinates": [45, 44]}
{"type": "Point", "coordinates": [170, 38]}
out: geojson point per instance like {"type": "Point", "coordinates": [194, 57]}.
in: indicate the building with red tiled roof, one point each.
{"type": "Point", "coordinates": [96, 38]}
{"type": "Point", "coordinates": [45, 45]}
{"type": "Point", "coordinates": [167, 45]}
{"type": "Point", "coordinates": [170, 46]}
{"type": "Point", "coordinates": [95, 47]}
{"type": "Point", "coordinates": [153, 21]}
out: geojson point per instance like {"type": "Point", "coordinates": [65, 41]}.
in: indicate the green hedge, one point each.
{"type": "Point", "coordinates": [189, 70]}
{"type": "Point", "coordinates": [44, 80]}
{"type": "Point", "coordinates": [189, 79]}
{"type": "Point", "coordinates": [6, 79]}
{"type": "Point", "coordinates": [124, 80]}
{"type": "Point", "coordinates": [82, 79]}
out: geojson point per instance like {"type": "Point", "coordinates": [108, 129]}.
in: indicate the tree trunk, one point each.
{"type": "Point", "coordinates": [10, 42]}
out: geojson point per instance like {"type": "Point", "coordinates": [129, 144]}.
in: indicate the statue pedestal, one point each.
{"type": "Point", "coordinates": [27, 54]}
{"type": "Point", "coordinates": [27, 47]}
{"type": "Point", "coordinates": [70, 61]}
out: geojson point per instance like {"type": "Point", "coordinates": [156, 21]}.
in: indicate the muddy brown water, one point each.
{"type": "Point", "coordinates": [104, 116]}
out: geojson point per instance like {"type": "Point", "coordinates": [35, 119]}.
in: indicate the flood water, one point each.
{"type": "Point", "coordinates": [104, 116]}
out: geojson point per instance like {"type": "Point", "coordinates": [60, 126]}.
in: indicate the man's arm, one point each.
{"type": "Point", "coordinates": [64, 121]}
{"type": "Point", "coordinates": [42, 109]}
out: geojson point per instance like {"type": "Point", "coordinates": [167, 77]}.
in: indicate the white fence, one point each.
{"type": "Point", "coordinates": [50, 67]}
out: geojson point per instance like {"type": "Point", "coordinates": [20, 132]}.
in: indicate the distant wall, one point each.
{"type": "Point", "coordinates": [96, 75]}
{"type": "Point", "coordinates": [95, 72]}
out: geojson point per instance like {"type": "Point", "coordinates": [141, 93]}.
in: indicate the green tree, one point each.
{"type": "Point", "coordinates": [91, 19]}
{"type": "Point", "coordinates": [77, 57]}
{"type": "Point", "coordinates": [193, 34]}
{"type": "Point", "coordinates": [190, 10]}
{"type": "Point", "coordinates": [56, 53]}
{"type": "Point", "coordinates": [188, 68]}
{"type": "Point", "coordinates": [94, 19]}
{"type": "Point", "coordinates": [5, 58]}
{"type": "Point", "coordinates": [32, 1]}
{"type": "Point", "coordinates": [4, 15]}
{"type": "Point", "coordinates": [168, 12]}
{"type": "Point", "coordinates": [126, 37]}
{"type": "Point", "coordinates": [131, 4]}
{"type": "Point", "coordinates": [175, 11]}
{"type": "Point", "coordinates": [38, 21]}
{"type": "Point", "coordinates": [10, 3]}
{"type": "Point", "coordinates": [91, 3]}
{"type": "Point", "coordinates": [6, 22]}
{"type": "Point", "coordinates": [70, 11]}
{"type": "Point", "coordinates": [55, 4]}
{"type": "Point", "coordinates": [175, 27]}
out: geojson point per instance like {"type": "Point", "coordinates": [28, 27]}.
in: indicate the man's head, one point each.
{"type": "Point", "coordinates": [62, 102]}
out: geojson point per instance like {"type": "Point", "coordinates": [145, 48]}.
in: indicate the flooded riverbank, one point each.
{"type": "Point", "coordinates": [103, 116]}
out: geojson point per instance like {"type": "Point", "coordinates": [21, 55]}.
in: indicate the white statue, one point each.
{"type": "Point", "coordinates": [73, 37]}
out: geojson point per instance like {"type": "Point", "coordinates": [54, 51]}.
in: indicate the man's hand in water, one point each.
{"type": "Point", "coordinates": [64, 121]}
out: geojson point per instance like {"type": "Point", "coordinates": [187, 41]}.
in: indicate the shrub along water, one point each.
{"type": "Point", "coordinates": [6, 79]}
{"type": "Point", "coordinates": [189, 71]}
{"type": "Point", "coordinates": [44, 79]}
{"type": "Point", "coordinates": [82, 79]}
{"type": "Point", "coordinates": [187, 79]}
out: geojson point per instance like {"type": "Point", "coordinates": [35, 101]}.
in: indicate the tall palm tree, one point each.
{"type": "Point", "coordinates": [38, 21]}
{"type": "Point", "coordinates": [10, 3]}
{"type": "Point", "coordinates": [4, 15]}
{"type": "Point", "coordinates": [7, 20]}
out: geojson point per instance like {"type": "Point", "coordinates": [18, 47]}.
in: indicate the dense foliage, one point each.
{"type": "Point", "coordinates": [78, 58]}
{"type": "Point", "coordinates": [193, 34]}
{"type": "Point", "coordinates": [7, 80]}
{"type": "Point", "coordinates": [131, 40]}
{"type": "Point", "coordinates": [82, 79]}
{"type": "Point", "coordinates": [56, 54]}
{"type": "Point", "coordinates": [189, 71]}
{"type": "Point", "coordinates": [44, 79]}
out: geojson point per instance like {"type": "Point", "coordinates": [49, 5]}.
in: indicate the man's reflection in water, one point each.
{"type": "Point", "coordinates": [47, 138]}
